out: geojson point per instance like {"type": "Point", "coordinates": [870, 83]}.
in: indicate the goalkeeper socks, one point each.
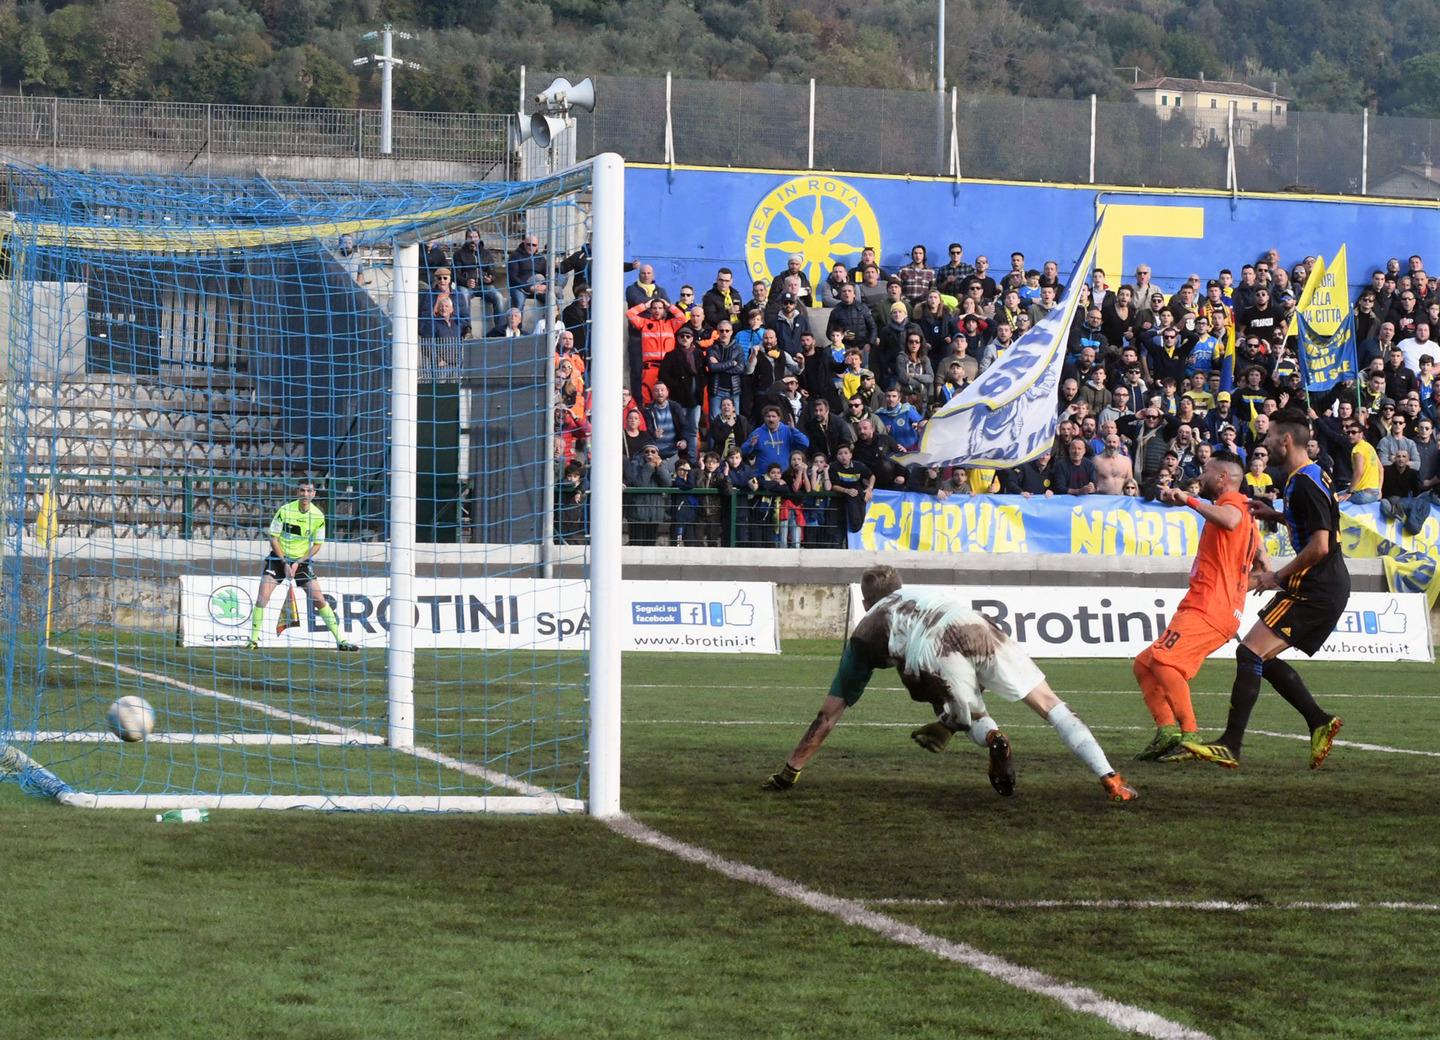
{"type": "Point", "coordinates": [1243, 695]}
{"type": "Point", "coordinates": [1078, 738]}
{"type": "Point", "coordinates": [981, 729]}
{"type": "Point", "coordinates": [1288, 684]}
{"type": "Point", "coordinates": [327, 615]}
{"type": "Point", "coordinates": [257, 614]}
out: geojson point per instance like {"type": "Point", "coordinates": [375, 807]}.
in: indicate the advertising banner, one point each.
{"type": "Point", "coordinates": [1075, 622]}
{"type": "Point", "coordinates": [492, 614]}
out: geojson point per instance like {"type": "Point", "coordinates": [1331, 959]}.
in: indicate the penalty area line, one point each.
{"type": "Point", "coordinates": [1080, 999]}
{"type": "Point", "coordinates": [1239, 906]}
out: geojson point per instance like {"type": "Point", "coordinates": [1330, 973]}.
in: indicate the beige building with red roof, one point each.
{"type": "Point", "coordinates": [1207, 103]}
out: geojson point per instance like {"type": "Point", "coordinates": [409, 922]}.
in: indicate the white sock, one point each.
{"type": "Point", "coordinates": [981, 729]}
{"type": "Point", "coordinates": [1079, 739]}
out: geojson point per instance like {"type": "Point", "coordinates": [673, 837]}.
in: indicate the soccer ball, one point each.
{"type": "Point", "coordinates": [131, 718]}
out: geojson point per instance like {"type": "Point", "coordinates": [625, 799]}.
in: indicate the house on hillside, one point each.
{"type": "Point", "coordinates": [1206, 103]}
{"type": "Point", "coordinates": [1421, 181]}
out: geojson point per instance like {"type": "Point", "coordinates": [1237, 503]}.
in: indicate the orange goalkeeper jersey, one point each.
{"type": "Point", "coordinates": [1221, 572]}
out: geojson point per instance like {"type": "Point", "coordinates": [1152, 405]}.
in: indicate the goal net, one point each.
{"type": "Point", "coordinates": [307, 466]}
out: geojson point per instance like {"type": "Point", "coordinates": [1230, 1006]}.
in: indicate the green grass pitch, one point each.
{"type": "Point", "coordinates": [282, 925]}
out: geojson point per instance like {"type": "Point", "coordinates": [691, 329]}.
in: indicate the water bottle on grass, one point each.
{"type": "Point", "coordinates": [183, 816]}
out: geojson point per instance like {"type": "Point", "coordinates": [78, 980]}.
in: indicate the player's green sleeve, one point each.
{"type": "Point", "coordinates": [852, 676]}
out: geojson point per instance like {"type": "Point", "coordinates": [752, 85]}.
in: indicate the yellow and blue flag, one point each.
{"type": "Point", "coordinates": [1327, 326]}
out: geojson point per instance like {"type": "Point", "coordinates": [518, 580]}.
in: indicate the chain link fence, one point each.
{"type": "Point", "coordinates": [61, 124]}
{"type": "Point", "coordinates": [1009, 138]}
{"type": "Point", "coordinates": [771, 125]}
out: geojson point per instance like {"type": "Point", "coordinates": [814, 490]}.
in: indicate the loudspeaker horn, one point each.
{"type": "Point", "coordinates": [521, 132]}
{"type": "Point", "coordinates": [562, 93]}
{"type": "Point", "coordinates": [544, 129]}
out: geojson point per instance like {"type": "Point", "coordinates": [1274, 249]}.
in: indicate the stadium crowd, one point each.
{"type": "Point", "coordinates": [781, 406]}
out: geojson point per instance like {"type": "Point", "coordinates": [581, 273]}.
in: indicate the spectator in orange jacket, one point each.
{"type": "Point", "coordinates": [656, 320]}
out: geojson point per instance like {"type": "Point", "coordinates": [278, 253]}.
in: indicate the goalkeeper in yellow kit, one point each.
{"type": "Point", "coordinates": [297, 532]}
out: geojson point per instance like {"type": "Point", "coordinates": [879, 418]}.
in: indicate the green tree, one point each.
{"type": "Point", "coordinates": [34, 59]}
{"type": "Point", "coordinates": [1416, 91]}
{"type": "Point", "coordinates": [330, 84]}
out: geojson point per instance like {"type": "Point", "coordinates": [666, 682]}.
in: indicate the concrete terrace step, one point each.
{"type": "Point", "coordinates": [143, 465]}
{"type": "Point", "coordinates": [161, 420]}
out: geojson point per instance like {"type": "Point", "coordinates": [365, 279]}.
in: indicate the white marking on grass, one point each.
{"type": "Point", "coordinates": [1077, 998]}
{"type": "Point", "coordinates": [1099, 726]}
{"type": "Point", "coordinates": [1240, 906]}
{"type": "Point", "coordinates": [423, 753]}
{"type": "Point", "coordinates": [240, 739]}
{"type": "Point", "coordinates": [764, 688]}
{"type": "Point", "coordinates": [1384, 749]}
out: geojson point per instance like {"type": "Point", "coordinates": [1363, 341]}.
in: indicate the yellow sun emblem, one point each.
{"type": "Point", "coordinates": [823, 219]}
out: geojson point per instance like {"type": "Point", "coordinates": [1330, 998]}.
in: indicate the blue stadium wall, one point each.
{"type": "Point", "coordinates": [689, 221]}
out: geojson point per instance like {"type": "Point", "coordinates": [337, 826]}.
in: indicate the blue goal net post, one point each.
{"type": "Point", "coordinates": [187, 358]}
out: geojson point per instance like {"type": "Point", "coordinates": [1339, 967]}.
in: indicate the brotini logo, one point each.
{"type": "Point", "coordinates": [823, 219]}
{"type": "Point", "coordinates": [230, 605]}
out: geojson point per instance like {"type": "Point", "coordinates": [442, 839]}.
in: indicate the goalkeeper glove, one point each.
{"type": "Point", "coordinates": [783, 780]}
{"type": "Point", "coordinates": [933, 736]}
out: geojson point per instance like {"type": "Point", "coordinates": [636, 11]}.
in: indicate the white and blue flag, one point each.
{"type": "Point", "coordinates": [1007, 416]}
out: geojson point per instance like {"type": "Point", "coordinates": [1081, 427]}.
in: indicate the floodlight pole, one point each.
{"type": "Point", "coordinates": [387, 61]}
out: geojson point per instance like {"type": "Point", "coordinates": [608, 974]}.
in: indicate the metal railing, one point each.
{"type": "Point", "coordinates": [713, 517]}
{"type": "Point", "coordinates": [63, 124]}
{"type": "Point", "coordinates": [187, 501]}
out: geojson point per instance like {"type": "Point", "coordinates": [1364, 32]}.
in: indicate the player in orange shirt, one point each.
{"type": "Point", "coordinates": [1209, 615]}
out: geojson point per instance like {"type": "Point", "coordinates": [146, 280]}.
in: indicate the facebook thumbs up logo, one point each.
{"type": "Point", "coordinates": [714, 613]}
{"type": "Point", "coordinates": [739, 611]}
{"type": "Point", "coordinates": [1390, 621]}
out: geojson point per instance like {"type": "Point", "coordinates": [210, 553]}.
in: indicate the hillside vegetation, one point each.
{"type": "Point", "coordinates": [1327, 54]}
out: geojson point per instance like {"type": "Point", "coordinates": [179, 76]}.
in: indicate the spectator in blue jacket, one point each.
{"type": "Point", "coordinates": [773, 442]}
{"type": "Point", "coordinates": [442, 284]}
{"type": "Point", "coordinates": [902, 420]}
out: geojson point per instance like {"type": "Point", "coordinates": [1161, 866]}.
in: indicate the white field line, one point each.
{"type": "Point", "coordinates": [1099, 726]}
{"type": "Point", "coordinates": [764, 688]}
{"type": "Point", "coordinates": [239, 739]}
{"type": "Point", "coordinates": [1356, 744]}
{"type": "Point", "coordinates": [423, 753]}
{"type": "Point", "coordinates": [1239, 906]}
{"type": "Point", "coordinates": [1077, 998]}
